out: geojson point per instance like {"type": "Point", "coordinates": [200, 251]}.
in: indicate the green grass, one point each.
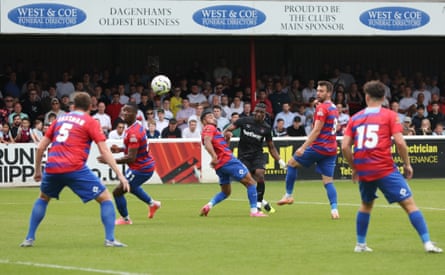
{"type": "Point", "coordinates": [297, 239]}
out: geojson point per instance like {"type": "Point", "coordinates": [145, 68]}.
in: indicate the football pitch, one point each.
{"type": "Point", "coordinates": [297, 239]}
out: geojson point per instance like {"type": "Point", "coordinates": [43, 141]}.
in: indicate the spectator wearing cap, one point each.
{"type": "Point", "coordinates": [172, 130]}
{"type": "Point", "coordinates": [161, 121]}
{"type": "Point", "coordinates": [296, 129]}
{"type": "Point", "coordinates": [192, 130]}
{"type": "Point", "coordinates": [408, 129]}
{"type": "Point", "coordinates": [55, 109]}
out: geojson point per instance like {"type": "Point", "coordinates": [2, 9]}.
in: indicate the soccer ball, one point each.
{"type": "Point", "coordinates": [161, 84]}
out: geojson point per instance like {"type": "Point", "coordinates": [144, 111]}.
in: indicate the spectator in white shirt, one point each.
{"type": "Point", "coordinates": [161, 121]}
{"type": "Point", "coordinates": [192, 130]}
{"type": "Point", "coordinates": [117, 133]}
{"type": "Point", "coordinates": [196, 97]}
{"type": "Point", "coordinates": [104, 118]}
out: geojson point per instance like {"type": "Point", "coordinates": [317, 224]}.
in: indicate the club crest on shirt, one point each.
{"type": "Point", "coordinates": [133, 138]}
{"type": "Point", "coordinates": [320, 113]}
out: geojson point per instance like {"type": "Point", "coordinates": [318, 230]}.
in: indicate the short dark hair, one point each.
{"type": "Point", "coordinates": [327, 84]}
{"type": "Point", "coordinates": [375, 89]}
{"type": "Point", "coordinates": [205, 113]}
{"type": "Point", "coordinates": [420, 106]}
{"type": "Point", "coordinates": [133, 106]}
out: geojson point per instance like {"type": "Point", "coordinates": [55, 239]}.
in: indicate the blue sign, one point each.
{"type": "Point", "coordinates": [47, 16]}
{"type": "Point", "coordinates": [229, 17]}
{"type": "Point", "coordinates": [394, 18]}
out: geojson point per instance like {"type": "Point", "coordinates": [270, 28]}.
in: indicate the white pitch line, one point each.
{"type": "Point", "coordinates": [395, 205]}
{"type": "Point", "coordinates": [93, 270]}
{"type": "Point", "coordinates": [379, 206]}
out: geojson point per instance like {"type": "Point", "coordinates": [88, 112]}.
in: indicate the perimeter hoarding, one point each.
{"type": "Point", "coordinates": [247, 18]}
{"type": "Point", "coordinates": [186, 161]}
{"type": "Point", "coordinates": [177, 161]}
{"type": "Point", "coordinates": [426, 156]}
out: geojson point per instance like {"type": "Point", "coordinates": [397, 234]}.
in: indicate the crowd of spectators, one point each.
{"type": "Point", "coordinates": [29, 101]}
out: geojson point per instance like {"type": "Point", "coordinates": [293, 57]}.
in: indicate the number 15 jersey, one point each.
{"type": "Point", "coordinates": [372, 129]}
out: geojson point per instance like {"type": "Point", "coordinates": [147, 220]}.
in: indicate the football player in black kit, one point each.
{"type": "Point", "coordinates": [254, 131]}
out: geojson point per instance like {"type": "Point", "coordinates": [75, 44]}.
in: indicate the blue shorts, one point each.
{"type": "Point", "coordinates": [394, 187]}
{"type": "Point", "coordinates": [136, 179]}
{"type": "Point", "coordinates": [84, 184]}
{"type": "Point", "coordinates": [325, 164]}
{"type": "Point", "coordinates": [234, 168]}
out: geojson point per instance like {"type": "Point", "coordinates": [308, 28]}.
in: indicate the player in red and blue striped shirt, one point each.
{"type": "Point", "coordinates": [370, 131]}
{"type": "Point", "coordinates": [141, 165]}
{"type": "Point", "coordinates": [70, 137]}
{"type": "Point", "coordinates": [320, 148]}
{"type": "Point", "coordinates": [226, 166]}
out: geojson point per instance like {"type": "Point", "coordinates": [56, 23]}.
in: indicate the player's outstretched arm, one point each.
{"type": "Point", "coordinates": [109, 159]}
{"type": "Point", "coordinates": [227, 133]}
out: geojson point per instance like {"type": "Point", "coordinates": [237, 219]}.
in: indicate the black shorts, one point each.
{"type": "Point", "coordinates": [258, 162]}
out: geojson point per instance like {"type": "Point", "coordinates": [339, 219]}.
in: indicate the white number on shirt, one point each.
{"type": "Point", "coordinates": [64, 132]}
{"type": "Point", "coordinates": [367, 136]}
{"type": "Point", "coordinates": [334, 126]}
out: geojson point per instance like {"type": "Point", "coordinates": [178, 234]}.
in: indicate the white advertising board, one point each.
{"type": "Point", "coordinates": [117, 17]}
